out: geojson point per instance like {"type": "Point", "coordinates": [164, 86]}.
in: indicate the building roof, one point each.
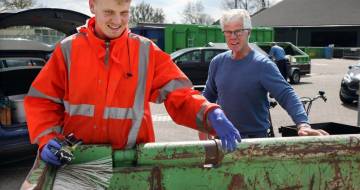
{"type": "Point", "coordinates": [302, 13]}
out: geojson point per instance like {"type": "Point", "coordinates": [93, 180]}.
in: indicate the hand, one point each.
{"type": "Point", "coordinates": [305, 129]}
{"type": "Point", "coordinates": [224, 129]}
{"type": "Point", "coordinates": [48, 153]}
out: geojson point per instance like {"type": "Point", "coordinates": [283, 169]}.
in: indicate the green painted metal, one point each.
{"type": "Point", "coordinates": [315, 52]}
{"type": "Point", "coordinates": [296, 54]}
{"type": "Point", "coordinates": [179, 36]}
{"type": "Point", "coordinates": [262, 34]}
{"type": "Point", "coordinates": [328, 162]}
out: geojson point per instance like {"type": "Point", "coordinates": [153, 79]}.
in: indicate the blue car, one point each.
{"type": "Point", "coordinates": [27, 40]}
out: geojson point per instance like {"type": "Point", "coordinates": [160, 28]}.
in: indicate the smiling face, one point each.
{"type": "Point", "coordinates": [237, 38]}
{"type": "Point", "coordinates": [111, 17]}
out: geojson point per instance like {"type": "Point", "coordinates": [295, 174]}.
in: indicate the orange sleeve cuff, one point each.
{"type": "Point", "coordinates": [45, 139]}
{"type": "Point", "coordinates": [207, 124]}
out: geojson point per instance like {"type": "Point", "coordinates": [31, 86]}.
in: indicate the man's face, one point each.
{"type": "Point", "coordinates": [236, 36]}
{"type": "Point", "coordinates": [111, 18]}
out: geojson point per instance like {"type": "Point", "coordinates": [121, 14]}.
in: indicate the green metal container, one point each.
{"type": "Point", "coordinates": [179, 36]}
{"type": "Point", "coordinates": [325, 162]}
{"type": "Point", "coordinates": [262, 34]}
{"type": "Point", "coordinates": [315, 52]}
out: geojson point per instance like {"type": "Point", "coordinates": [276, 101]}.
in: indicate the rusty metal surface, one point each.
{"type": "Point", "coordinates": [331, 162]}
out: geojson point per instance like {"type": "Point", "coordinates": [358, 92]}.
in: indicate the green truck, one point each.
{"type": "Point", "coordinates": [300, 62]}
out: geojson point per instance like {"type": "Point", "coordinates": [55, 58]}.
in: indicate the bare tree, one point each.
{"type": "Point", "coordinates": [143, 12]}
{"type": "Point", "coordinates": [193, 13]}
{"type": "Point", "coordinates": [6, 5]}
{"type": "Point", "coordinates": [251, 5]}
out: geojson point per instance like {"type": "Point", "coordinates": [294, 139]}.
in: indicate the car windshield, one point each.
{"type": "Point", "coordinates": [40, 34]}
{"type": "Point", "coordinates": [177, 53]}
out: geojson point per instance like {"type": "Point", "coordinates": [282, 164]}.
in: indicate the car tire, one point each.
{"type": "Point", "coordinates": [345, 100]}
{"type": "Point", "coordinates": [295, 77]}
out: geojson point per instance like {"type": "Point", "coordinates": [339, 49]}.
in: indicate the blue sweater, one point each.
{"type": "Point", "coordinates": [240, 87]}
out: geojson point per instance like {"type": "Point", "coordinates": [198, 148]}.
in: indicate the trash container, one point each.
{"type": "Point", "coordinates": [328, 52]}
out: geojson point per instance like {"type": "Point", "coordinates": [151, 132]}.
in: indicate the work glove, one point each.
{"type": "Point", "coordinates": [226, 131]}
{"type": "Point", "coordinates": [49, 151]}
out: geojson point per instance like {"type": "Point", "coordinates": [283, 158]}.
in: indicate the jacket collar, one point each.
{"type": "Point", "coordinates": [99, 44]}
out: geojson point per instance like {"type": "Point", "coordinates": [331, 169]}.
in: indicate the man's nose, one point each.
{"type": "Point", "coordinates": [117, 19]}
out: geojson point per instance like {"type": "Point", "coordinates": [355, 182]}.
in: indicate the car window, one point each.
{"type": "Point", "coordinates": [17, 62]}
{"type": "Point", "coordinates": [210, 54]}
{"type": "Point", "coordinates": [21, 62]}
{"type": "Point", "coordinates": [36, 33]}
{"type": "Point", "coordinates": [38, 62]}
{"type": "Point", "coordinates": [193, 56]}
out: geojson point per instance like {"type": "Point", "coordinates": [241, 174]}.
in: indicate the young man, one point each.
{"type": "Point", "coordinates": [98, 85]}
{"type": "Point", "coordinates": [240, 79]}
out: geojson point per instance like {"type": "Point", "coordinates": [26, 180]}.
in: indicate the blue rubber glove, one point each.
{"type": "Point", "coordinates": [48, 153]}
{"type": "Point", "coordinates": [226, 131]}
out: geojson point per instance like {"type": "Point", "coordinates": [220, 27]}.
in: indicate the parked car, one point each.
{"type": "Point", "coordinates": [194, 62]}
{"type": "Point", "coordinates": [350, 85]}
{"type": "Point", "coordinates": [22, 56]}
{"type": "Point", "coordinates": [299, 61]}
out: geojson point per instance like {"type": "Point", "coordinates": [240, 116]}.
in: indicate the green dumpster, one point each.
{"type": "Point", "coordinates": [325, 162]}
{"type": "Point", "coordinates": [179, 36]}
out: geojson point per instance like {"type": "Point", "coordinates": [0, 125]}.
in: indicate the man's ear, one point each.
{"type": "Point", "coordinates": [91, 5]}
{"type": "Point", "coordinates": [249, 34]}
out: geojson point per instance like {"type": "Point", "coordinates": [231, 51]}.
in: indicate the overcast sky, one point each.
{"type": "Point", "coordinates": [171, 8]}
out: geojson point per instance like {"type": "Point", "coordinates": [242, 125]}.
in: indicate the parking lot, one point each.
{"type": "Point", "coordinates": [326, 75]}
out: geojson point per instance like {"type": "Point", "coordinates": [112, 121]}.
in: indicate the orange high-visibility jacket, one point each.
{"type": "Point", "coordinates": [100, 91]}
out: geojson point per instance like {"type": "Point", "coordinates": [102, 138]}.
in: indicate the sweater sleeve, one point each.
{"type": "Point", "coordinates": [281, 90]}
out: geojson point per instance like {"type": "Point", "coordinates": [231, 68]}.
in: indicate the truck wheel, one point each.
{"type": "Point", "coordinates": [295, 77]}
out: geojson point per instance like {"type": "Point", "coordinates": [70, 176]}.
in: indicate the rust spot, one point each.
{"type": "Point", "coordinates": [292, 187]}
{"type": "Point", "coordinates": [175, 155]}
{"type": "Point", "coordinates": [312, 181]}
{"type": "Point", "coordinates": [337, 180]}
{"type": "Point", "coordinates": [155, 179]}
{"type": "Point", "coordinates": [237, 182]}
{"type": "Point", "coordinates": [267, 177]}
{"type": "Point", "coordinates": [301, 149]}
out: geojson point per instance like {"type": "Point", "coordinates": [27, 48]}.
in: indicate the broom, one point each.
{"type": "Point", "coordinates": [94, 174]}
{"type": "Point", "coordinates": [91, 174]}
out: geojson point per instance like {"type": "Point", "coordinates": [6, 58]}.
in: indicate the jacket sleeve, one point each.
{"type": "Point", "coordinates": [44, 101]}
{"type": "Point", "coordinates": [170, 85]}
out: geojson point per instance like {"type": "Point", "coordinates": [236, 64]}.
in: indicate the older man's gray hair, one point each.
{"type": "Point", "coordinates": [236, 14]}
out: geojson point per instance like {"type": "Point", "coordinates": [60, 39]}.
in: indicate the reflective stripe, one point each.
{"type": "Point", "coordinates": [66, 51]}
{"type": "Point", "coordinates": [119, 113]}
{"type": "Point", "coordinates": [170, 87]}
{"type": "Point", "coordinates": [35, 93]}
{"type": "Point", "coordinates": [87, 110]}
{"type": "Point", "coordinates": [140, 91]}
{"type": "Point", "coordinates": [57, 129]}
{"type": "Point", "coordinates": [200, 118]}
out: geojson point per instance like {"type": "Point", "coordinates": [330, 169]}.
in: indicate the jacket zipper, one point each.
{"type": "Point", "coordinates": [107, 52]}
